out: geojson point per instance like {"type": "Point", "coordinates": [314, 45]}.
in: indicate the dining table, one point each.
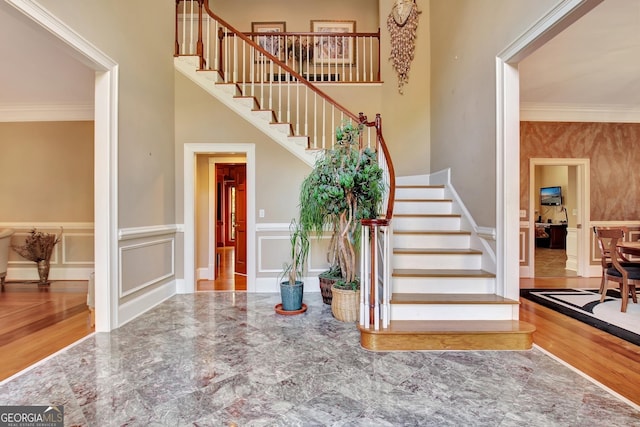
{"type": "Point", "coordinates": [631, 248]}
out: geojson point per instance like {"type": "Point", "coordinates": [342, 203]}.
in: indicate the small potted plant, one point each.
{"type": "Point", "coordinates": [292, 289]}
{"type": "Point", "coordinates": [38, 247]}
{"type": "Point", "coordinates": [345, 186]}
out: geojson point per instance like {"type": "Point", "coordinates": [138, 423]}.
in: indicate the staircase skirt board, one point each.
{"type": "Point", "coordinates": [412, 335]}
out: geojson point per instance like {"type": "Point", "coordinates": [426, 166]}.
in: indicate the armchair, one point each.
{"type": "Point", "coordinates": [5, 240]}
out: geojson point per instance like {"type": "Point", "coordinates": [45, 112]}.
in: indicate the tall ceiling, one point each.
{"type": "Point", "coordinates": [596, 61]}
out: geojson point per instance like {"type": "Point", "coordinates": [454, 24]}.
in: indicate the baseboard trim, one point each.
{"type": "Point", "coordinates": [134, 308]}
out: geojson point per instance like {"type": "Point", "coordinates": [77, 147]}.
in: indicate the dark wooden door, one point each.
{"type": "Point", "coordinates": [240, 172]}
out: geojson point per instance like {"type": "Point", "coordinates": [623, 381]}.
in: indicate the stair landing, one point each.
{"type": "Point", "coordinates": [414, 335]}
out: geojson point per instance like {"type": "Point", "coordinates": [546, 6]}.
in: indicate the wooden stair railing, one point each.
{"type": "Point", "coordinates": [238, 60]}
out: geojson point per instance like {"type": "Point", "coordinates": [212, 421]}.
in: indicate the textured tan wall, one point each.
{"type": "Point", "coordinates": [47, 172]}
{"type": "Point", "coordinates": [614, 150]}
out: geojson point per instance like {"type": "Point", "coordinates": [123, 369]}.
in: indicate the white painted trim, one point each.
{"type": "Point", "coordinates": [583, 198]}
{"type": "Point", "coordinates": [46, 113]}
{"type": "Point", "coordinates": [64, 248]}
{"type": "Point", "coordinates": [48, 225]}
{"type": "Point", "coordinates": [142, 232]}
{"type": "Point", "coordinates": [274, 226]}
{"type": "Point", "coordinates": [105, 157]}
{"type": "Point", "coordinates": [210, 274]}
{"type": "Point", "coordinates": [123, 249]}
{"type": "Point", "coordinates": [190, 151]}
{"type": "Point", "coordinates": [508, 134]}
{"type": "Point", "coordinates": [145, 302]}
{"type": "Point", "coordinates": [533, 112]}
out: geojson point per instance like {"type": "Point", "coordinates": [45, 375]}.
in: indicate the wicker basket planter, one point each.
{"type": "Point", "coordinates": [345, 304]}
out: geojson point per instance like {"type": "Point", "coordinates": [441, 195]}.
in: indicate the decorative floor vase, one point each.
{"type": "Point", "coordinates": [291, 295]}
{"type": "Point", "coordinates": [43, 272]}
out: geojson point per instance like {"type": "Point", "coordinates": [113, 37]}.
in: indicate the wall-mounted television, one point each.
{"type": "Point", "coordinates": [551, 196]}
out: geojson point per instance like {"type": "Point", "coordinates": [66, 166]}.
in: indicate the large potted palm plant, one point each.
{"type": "Point", "coordinates": [344, 187]}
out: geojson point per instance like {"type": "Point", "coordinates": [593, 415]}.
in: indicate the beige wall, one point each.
{"type": "Point", "coordinates": [139, 37]}
{"type": "Point", "coordinates": [466, 37]}
{"type": "Point", "coordinates": [47, 172]}
{"type": "Point", "coordinates": [297, 15]}
{"type": "Point", "coordinates": [406, 118]}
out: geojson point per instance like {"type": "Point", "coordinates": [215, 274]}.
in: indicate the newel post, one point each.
{"type": "Point", "coordinates": [199, 45]}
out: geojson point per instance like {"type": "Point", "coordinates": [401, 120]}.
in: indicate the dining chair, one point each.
{"type": "Point", "coordinates": [620, 270]}
{"type": "Point", "coordinates": [605, 257]}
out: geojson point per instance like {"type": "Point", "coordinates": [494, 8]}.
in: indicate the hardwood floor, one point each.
{"type": "Point", "coordinates": [226, 279]}
{"type": "Point", "coordinates": [551, 263]}
{"type": "Point", "coordinates": [35, 323]}
{"type": "Point", "coordinates": [609, 360]}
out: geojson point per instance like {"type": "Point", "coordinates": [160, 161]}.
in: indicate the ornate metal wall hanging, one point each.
{"type": "Point", "coordinates": [402, 24]}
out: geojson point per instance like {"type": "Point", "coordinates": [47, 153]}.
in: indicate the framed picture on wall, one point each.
{"type": "Point", "coordinates": [333, 48]}
{"type": "Point", "coordinates": [271, 42]}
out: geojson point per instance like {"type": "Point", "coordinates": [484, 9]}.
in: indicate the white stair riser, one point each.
{"type": "Point", "coordinates": [284, 128]}
{"type": "Point", "coordinates": [444, 285]}
{"type": "Point", "coordinates": [263, 115]}
{"type": "Point", "coordinates": [439, 261]}
{"type": "Point", "coordinates": [451, 312]}
{"type": "Point", "coordinates": [422, 207]}
{"type": "Point", "coordinates": [301, 141]}
{"type": "Point", "coordinates": [248, 103]}
{"type": "Point", "coordinates": [419, 193]}
{"type": "Point", "coordinates": [426, 223]}
{"type": "Point", "coordinates": [229, 89]}
{"type": "Point", "coordinates": [431, 241]}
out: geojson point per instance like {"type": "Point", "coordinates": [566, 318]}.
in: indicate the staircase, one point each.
{"type": "Point", "coordinates": [441, 297]}
{"type": "Point", "coordinates": [247, 107]}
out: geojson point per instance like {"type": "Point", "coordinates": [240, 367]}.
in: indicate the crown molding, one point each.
{"type": "Point", "coordinates": [539, 112]}
{"type": "Point", "coordinates": [46, 113]}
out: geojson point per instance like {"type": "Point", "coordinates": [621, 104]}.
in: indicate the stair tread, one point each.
{"type": "Point", "coordinates": [434, 232]}
{"type": "Point", "coordinates": [395, 215]}
{"type": "Point", "coordinates": [438, 251]}
{"type": "Point", "coordinates": [427, 327]}
{"type": "Point", "coordinates": [420, 272]}
{"type": "Point", "coordinates": [419, 186]}
{"type": "Point", "coordinates": [412, 298]}
{"type": "Point", "coordinates": [424, 200]}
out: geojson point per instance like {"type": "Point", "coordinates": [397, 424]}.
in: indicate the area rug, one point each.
{"type": "Point", "coordinates": [584, 305]}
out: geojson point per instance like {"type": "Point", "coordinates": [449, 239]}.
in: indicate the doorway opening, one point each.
{"type": "Point", "coordinates": [558, 242]}
{"type": "Point", "coordinates": [228, 225]}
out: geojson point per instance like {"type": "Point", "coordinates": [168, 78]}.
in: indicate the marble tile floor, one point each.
{"type": "Point", "coordinates": [227, 359]}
